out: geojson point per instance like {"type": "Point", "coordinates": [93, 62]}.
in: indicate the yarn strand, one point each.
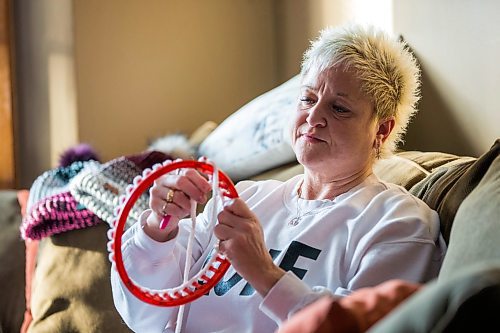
{"type": "Point", "coordinates": [189, 250]}
{"type": "Point", "coordinates": [187, 265]}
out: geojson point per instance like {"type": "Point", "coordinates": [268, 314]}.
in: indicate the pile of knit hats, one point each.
{"type": "Point", "coordinates": [99, 188]}
{"type": "Point", "coordinates": [83, 192]}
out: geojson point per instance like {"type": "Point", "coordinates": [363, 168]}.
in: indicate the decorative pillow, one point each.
{"type": "Point", "coordinates": [256, 137]}
{"type": "Point", "coordinates": [354, 313]}
{"type": "Point", "coordinates": [325, 315]}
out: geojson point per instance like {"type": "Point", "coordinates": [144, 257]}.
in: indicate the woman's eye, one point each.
{"type": "Point", "coordinates": [339, 109]}
{"type": "Point", "coordinates": [306, 100]}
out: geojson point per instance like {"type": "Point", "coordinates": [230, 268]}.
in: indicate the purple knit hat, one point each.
{"type": "Point", "coordinates": [56, 214]}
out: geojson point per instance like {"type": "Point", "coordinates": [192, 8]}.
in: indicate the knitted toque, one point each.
{"type": "Point", "coordinates": [56, 214]}
{"type": "Point", "coordinates": [54, 181]}
{"type": "Point", "coordinates": [99, 188]}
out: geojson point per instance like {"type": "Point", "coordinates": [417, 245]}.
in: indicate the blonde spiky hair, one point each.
{"type": "Point", "coordinates": [387, 69]}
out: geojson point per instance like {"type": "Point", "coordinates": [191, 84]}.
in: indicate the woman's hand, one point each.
{"type": "Point", "coordinates": [171, 195]}
{"type": "Point", "coordinates": [242, 241]}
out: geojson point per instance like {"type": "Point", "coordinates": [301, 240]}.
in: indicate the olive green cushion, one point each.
{"type": "Point", "coordinates": [476, 230]}
{"type": "Point", "coordinates": [449, 184]}
{"type": "Point", "coordinates": [71, 287]}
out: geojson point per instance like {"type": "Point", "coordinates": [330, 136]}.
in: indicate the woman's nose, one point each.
{"type": "Point", "coordinates": [316, 117]}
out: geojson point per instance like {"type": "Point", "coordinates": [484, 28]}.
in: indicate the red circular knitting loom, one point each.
{"type": "Point", "coordinates": [202, 282]}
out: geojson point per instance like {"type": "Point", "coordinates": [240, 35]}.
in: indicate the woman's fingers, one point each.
{"type": "Point", "coordinates": [238, 226]}
{"type": "Point", "coordinates": [223, 232]}
{"type": "Point", "coordinates": [194, 185]}
{"type": "Point", "coordinates": [172, 193]}
{"type": "Point", "coordinates": [242, 241]}
{"type": "Point", "coordinates": [189, 181]}
{"type": "Point", "coordinates": [237, 208]}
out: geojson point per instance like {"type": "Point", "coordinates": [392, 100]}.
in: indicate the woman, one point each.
{"type": "Point", "coordinates": [332, 230]}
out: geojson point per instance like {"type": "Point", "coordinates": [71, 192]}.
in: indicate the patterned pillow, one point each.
{"type": "Point", "coordinates": [256, 137]}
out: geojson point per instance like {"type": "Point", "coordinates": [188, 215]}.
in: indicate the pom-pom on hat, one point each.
{"type": "Point", "coordinates": [99, 188]}
{"type": "Point", "coordinates": [56, 214]}
{"type": "Point", "coordinates": [80, 152]}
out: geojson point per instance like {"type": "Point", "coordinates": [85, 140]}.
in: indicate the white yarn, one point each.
{"type": "Point", "coordinates": [187, 265]}
{"type": "Point", "coordinates": [189, 250]}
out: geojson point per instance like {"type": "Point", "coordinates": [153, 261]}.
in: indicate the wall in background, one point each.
{"type": "Point", "coordinates": [7, 148]}
{"type": "Point", "coordinates": [458, 46]}
{"type": "Point", "coordinates": [118, 74]}
{"type": "Point", "coordinates": [45, 94]}
{"type": "Point", "coordinates": [149, 68]}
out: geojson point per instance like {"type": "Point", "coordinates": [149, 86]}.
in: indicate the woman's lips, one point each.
{"type": "Point", "coordinates": [311, 137]}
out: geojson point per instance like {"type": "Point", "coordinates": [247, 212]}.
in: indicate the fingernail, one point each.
{"type": "Point", "coordinates": [164, 221]}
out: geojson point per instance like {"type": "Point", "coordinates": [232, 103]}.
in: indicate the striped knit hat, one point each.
{"type": "Point", "coordinates": [55, 181]}
{"type": "Point", "coordinates": [56, 214]}
{"type": "Point", "coordinates": [99, 188]}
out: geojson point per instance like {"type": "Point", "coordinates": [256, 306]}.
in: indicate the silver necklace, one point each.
{"type": "Point", "coordinates": [299, 215]}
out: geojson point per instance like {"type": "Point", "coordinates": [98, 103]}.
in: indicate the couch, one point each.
{"type": "Point", "coordinates": [61, 283]}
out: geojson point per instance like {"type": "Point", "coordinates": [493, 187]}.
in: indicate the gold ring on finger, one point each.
{"type": "Point", "coordinates": [170, 196]}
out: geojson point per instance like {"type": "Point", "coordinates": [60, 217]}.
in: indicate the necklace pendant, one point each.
{"type": "Point", "coordinates": [293, 222]}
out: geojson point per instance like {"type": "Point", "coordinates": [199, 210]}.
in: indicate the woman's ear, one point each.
{"type": "Point", "coordinates": [385, 127]}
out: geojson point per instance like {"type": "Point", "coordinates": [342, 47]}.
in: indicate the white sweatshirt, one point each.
{"type": "Point", "coordinates": [374, 232]}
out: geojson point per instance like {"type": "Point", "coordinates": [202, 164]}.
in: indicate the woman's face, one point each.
{"type": "Point", "coordinates": [334, 130]}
